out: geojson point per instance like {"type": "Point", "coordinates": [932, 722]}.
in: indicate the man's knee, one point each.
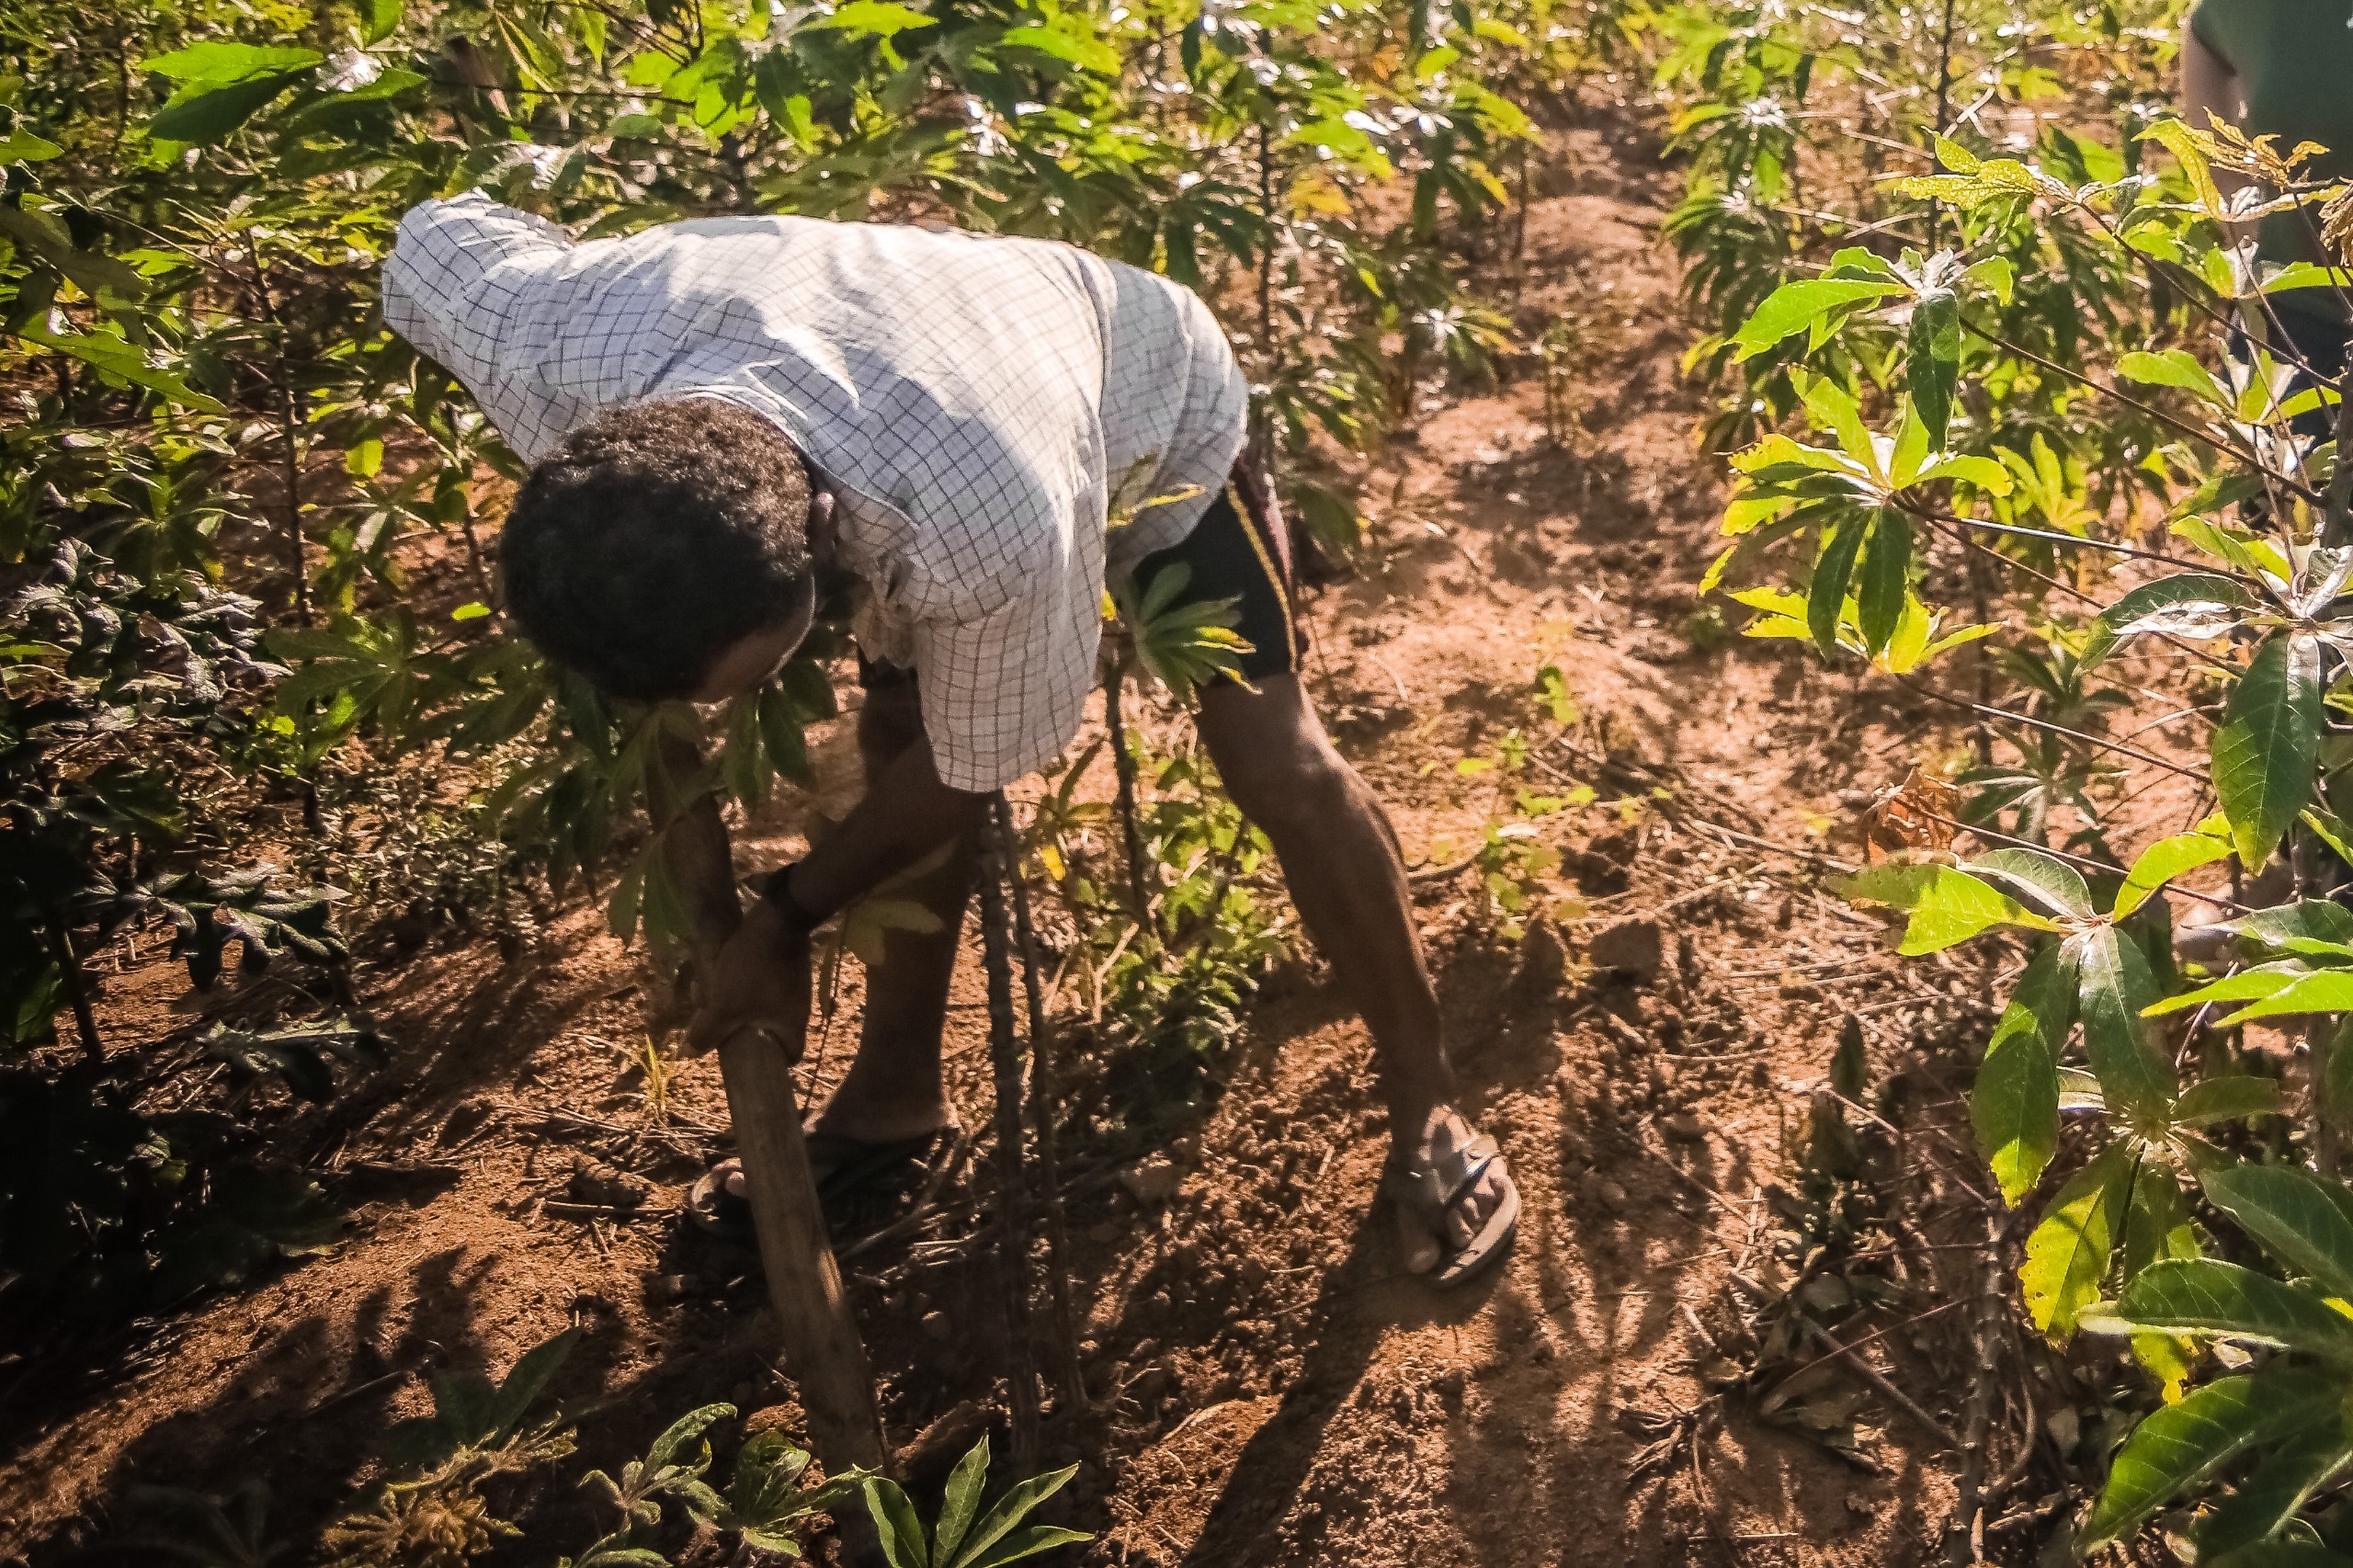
{"type": "Point", "coordinates": [1304, 782]}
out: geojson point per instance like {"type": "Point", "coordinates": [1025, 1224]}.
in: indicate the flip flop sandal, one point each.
{"type": "Point", "coordinates": [1430, 1188]}
{"type": "Point", "coordinates": [857, 1179]}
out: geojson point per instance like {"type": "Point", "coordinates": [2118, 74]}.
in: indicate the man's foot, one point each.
{"type": "Point", "coordinates": [1457, 1207]}
{"type": "Point", "coordinates": [857, 1180]}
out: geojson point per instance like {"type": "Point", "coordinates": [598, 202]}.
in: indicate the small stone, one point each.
{"type": "Point", "coordinates": [1630, 946]}
{"type": "Point", "coordinates": [669, 1286]}
{"type": "Point", "coordinates": [1542, 1350]}
{"type": "Point", "coordinates": [1251, 1273]}
{"type": "Point", "coordinates": [1613, 1197]}
{"type": "Point", "coordinates": [1106, 1233]}
{"type": "Point", "coordinates": [1683, 1125]}
{"type": "Point", "coordinates": [936, 1325]}
{"type": "Point", "coordinates": [1861, 1502]}
{"type": "Point", "coordinates": [1449, 1386]}
{"type": "Point", "coordinates": [1151, 1181]}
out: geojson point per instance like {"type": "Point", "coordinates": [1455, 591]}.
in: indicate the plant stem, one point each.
{"type": "Point", "coordinates": [1266, 248]}
{"type": "Point", "coordinates": [1042, 1111]}
{"type": "Point", "coordinates": [1123, 769]}
{"type": "Point", "coordinates": [1012, 1179]}
{"type": "Point", "coordinates": [289, 421]}
{"type": "Point", "coordinates": [1965, 1537]}
{"type": "Point", "coordinates": [77, 984]}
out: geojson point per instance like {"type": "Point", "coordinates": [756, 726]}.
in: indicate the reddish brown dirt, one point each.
{"type": "Point", "coordinates": [1286, 1397]}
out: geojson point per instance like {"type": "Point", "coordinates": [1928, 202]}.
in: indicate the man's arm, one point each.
{"type": "Point", "coordinates": [760, 978]}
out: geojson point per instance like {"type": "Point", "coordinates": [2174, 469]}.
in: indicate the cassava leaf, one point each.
{"type": "Point", "coordinates": [2135, 1072]}
{"type": "Point", "coordinates": [2067, 1253]}
{"type": "Point", "coordinates": [2266, 749]}
{"type": "Point", "coordinates": [2203, 1296]}
{"type": "Point", "coordinates": [2014, 1106]}
{"type": "Point", "coordinates": [1946, 906]}
{"type": "Point", "coordinates": [2178, 1445]}
{"type": "Point", "coordinates": [2300, 1218]}
{"type": "Point", "coordinates": [1795, 307]}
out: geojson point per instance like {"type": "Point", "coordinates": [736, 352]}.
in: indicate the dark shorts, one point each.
{"type": "Point", "coordinates": [1238, 551]}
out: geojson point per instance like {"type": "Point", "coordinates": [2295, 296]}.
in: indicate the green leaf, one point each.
{"type": "Point", "coordinates": [2300, 1218]}
{"type": "Point", "coordinates": [1795, 308]}
{"type": "Point", "coordinates": [43, 233]}
{"type": "Point", "coordinates": [1946, 906]}
{"type": "Point", "coordinates": [2288, 926]}
{"type": "Point", "coordinates": [2267, 748]}
{"type": "Point", "coordinates": [1087, 54]}
{"type": "Point", "coordinates": [687, 1428]}
{"type": "Point", "coordinates": [2279, 1489]}
{"type": "Point", "coordinates": [1932, 361]}
{"type": "Point", "coordinates": [2264, 980]}
{"type": "Point", "coordinates": [2323, 991]}
{"type": "Point", "coordinates": [961, 1502]}
{"type": "Point", "coordinates": [2333, 1088]}
{"type": "Point", "coordinates": [1997, 274]}
{"type": "Point", "coordinates": [205, 117]}
{"type": "Point", "coordinates": [895, 1521]}
{"type": "Point", "coordinates": [2175, 368]}
{"type": "Point", "coordinates": [2047, 879]}
{"type": "Point", "coordinates": [2135, 1072]}
{"type": "Point", "coordinates": [527, 1380]}
{"type": "Point", "coordinates": [2192, 603]}
{"type": "Point", "coordinates": [781, 731]}
{"type": "Point", "coordinates": [1886, 577]}
{"type": "Point", "coordinates": [380, 17]}
{"type": "Point", "coordinates": [2067, 1253]}
{"type": "Point", "coordinates": [2162, 861]}
{"type": "Point", "coordinates": [1016, 1504]}
{"type": "Point", "coordinates": [2180, 1445]}
{"type": "Point", "coordinates": [220, 62]}
{"type": "Point", "coordinates": [2234, 1097]}
{"type": "Point", "coordinates": [21, 146]}
{"type": "Point", "coordinates": [2202, 1296]}
{"type": "Point", "coordinates": [2014, 1106]}
{"type": "Point", "coordinates": [111, 354]}
{"type": "Point", "coordinates": [878, 19]}
{"type": "Point", "coordinates": [1025, 1542]}
{"type": "Point", "coordinates": [1826, 596]}
{"type": "Point", "coordinates": [2156, 1220]}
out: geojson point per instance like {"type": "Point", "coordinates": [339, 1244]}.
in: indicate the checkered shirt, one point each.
{"type": "Point", "coordinates": [1001, 419]}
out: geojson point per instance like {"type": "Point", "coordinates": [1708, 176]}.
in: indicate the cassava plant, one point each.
{"type": "Point", "coordinates": [1906, 493]}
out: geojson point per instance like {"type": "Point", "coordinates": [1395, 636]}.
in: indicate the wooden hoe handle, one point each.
{"type": "Point", "coordinates": [821, 1349]}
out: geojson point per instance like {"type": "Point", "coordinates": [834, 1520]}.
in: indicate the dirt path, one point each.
{"type": "Point", "coordinates": [1284, 1398]}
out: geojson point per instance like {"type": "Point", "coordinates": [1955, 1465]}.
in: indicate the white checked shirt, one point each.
{"type": "Point", "coordinates": [979, 405]}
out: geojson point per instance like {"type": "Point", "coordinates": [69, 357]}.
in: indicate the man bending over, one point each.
{"type": "Point", "coordinates": [716, 411]}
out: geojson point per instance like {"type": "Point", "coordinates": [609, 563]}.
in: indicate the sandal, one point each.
{"type": "Point", "coordinates": [855, 1180]}
{"type": "Point", "coordinates": [1428, 1188]}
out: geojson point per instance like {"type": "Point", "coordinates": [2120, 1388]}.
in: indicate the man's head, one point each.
{"type": "Point", "coordinates": [662, 550]}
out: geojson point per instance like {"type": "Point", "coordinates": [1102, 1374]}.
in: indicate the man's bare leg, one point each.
{"type": "Point", "coordinates": [1347, 879]}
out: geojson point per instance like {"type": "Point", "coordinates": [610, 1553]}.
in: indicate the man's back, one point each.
{"type": "Point", "coordinates": [974, 401]}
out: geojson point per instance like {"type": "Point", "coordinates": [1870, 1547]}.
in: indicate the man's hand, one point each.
{"type": "Point", "coordinates": [759, 982]}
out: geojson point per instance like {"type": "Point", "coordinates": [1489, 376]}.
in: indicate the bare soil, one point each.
{"type": "Point", "coordinates": [1272, 1390]}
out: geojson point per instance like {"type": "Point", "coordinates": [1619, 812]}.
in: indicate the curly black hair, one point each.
{"type": "Point", "coordinates": [654, 538]}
